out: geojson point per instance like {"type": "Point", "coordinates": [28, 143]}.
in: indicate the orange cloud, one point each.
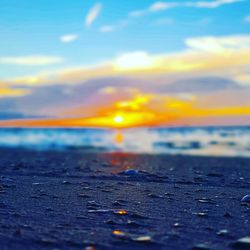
{"type": "Point", "coordinates": [143, 109]}
{"type": "Point", "coordinates": [6, 91]}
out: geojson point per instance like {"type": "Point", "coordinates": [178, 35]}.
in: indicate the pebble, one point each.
{"type": "Point", "coordinates": [246, 199]}
{"type": "Point", "coordinates": [151, 195]}
{"type": "Point", "coordinates": [84, 195]}
{"type": "Point", "coordinates": [206, 200]}
{"type": "Point", "coordinates": [48, 241]}
{"type": "Point", "coordinates": [242, 243]}
{"type": "Point", "coordinates": [130, 172]}
{"type": "Point", "coordinates": [201, 214]}
{"type": "Point", "coordinates": [177, 224]}
{"type": "Point", "coordinates": [99, 211]}
{"type": "Point", "coordinates": [119, 233]}
{"type": "Point", "coordinates": [201, 246]}
{"type": "Point", "coordinates": [116, 203]}
{"type": "Point", "coordinates": [222, 232]}
{"type": "Point", "coordinates": [143, 239]}
{"type": "Point", "coordinates": [121, 212]}
{"type": "Point", "coordinates": [65, 182]}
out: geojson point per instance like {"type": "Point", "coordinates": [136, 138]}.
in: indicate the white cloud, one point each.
{"type": "Point", "coordinates": [68, 38]}
{"type": "Point", "coordinates": [134, 60]}
{"type": "Point", "coordinates": [93, 14]}
{"type": "Point", "coordinates": [247, 19]}
{"type": "Point", "coordinates": [223, 56]}
{"type": "Point", "coordinates": [34, 60]}
{"type": "Point", "coordinates": [219, 44]}
{"type": "Point", "coordinates": [155, 7]}
{"type": "Point", "coordinates": [212, 4]}
{"type": "Point", "coordinates": [161, 6]}
{"type": "Point", "coordinates": [107, 28]}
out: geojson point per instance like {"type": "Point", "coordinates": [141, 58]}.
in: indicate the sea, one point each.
{"type": "Point", "coordinates": [205, 141]}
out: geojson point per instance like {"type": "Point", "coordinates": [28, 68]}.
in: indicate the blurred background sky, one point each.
{"type": "Point", "coordinates": [124, 63]}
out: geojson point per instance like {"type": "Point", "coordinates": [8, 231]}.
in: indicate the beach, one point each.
{"type": "Point", "coordinates": [72, 199]}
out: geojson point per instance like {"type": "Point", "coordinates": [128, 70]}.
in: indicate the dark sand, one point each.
{"type": "Point", "coordinates": [71, 200]}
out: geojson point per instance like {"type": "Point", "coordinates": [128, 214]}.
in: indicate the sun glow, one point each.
{"type": "Point", "coordinates": [141, 109]}
{"type": "Point", "coordinates": [118, 119]}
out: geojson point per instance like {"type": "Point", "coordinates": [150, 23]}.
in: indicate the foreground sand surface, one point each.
{"type": "Point", "coordinates": [77, 200]}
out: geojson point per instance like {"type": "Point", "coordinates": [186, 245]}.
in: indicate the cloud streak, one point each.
{"type": "Point", "coordinates": [68, 38]}
{"type": "Point", "coordinates": [6, 91]}
{"type": "Point", "coordinates": [162, 6]}
{"type": "Point", "coordinates": [107, 28]}
{"type": "Point", "coordinates": [33, 60]}
{"type": "Point", "coordinates": [93, 14]}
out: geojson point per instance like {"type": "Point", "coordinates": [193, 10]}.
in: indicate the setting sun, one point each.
{"type": "Point", "coordinates": [118, 119]}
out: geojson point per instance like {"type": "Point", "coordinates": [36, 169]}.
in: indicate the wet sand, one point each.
{"type": "Point", "coordinates": [77, 200]}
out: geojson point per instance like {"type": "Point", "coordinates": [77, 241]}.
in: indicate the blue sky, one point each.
{"type": "Point", "coordinates": [75, 58]}
{"type": "Point", "coordinates": [35, 28]}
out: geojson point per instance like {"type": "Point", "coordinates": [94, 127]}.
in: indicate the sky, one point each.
{"type": "Point", "coordinates": [124, 63]}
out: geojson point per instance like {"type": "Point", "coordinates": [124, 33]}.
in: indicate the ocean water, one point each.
{"type": "Point", "coordinates": [214, 141]}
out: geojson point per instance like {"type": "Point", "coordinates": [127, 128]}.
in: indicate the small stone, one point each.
{"type": "Point", "coordinates": [47, 241]}
{"type": "Point", "coordinates": [143, 239]}
{"type": "Point", "coordinates": [116, 203]}
{"type": "Point", "coordinates": [98, 210]}
{"type": "Point", "coordinates": [201, 214]}
{"type": "Point", "coordinates": [84, 195]}
{"type": "Point", "coordinates": [242, 243]}
{"type": "Point", "coordinates": [222, 232]}
{"type": "Point", "coordinates": [121, 212]}
{"type": "Point", "coordinates": [154, 195]}
{"type": "Point", "coordinates": [65, 182]}
{"type": "Point", "coordinates": [119, 233]}
{"type": "Point", "coordinates": [49, 209]}
{"type": "Point", "coordinates": [246, 199]}
{"type": "Point", "coordinates": [201, 246]}
{"type": "Point", "coordinates": [177, 224]}
{"type": "Point", "coordinates": [130, 172]}
{"type": "Point", "coordinates": [206, 200]}
{"type": "Point", "coordinates": [81, 217]}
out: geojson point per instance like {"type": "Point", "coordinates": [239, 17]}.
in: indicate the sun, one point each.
{"type": "Point", "coordinates": [118, 119]}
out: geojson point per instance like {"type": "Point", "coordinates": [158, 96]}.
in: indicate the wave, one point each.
{"type": "Point", "coordinates": [220, 141]}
